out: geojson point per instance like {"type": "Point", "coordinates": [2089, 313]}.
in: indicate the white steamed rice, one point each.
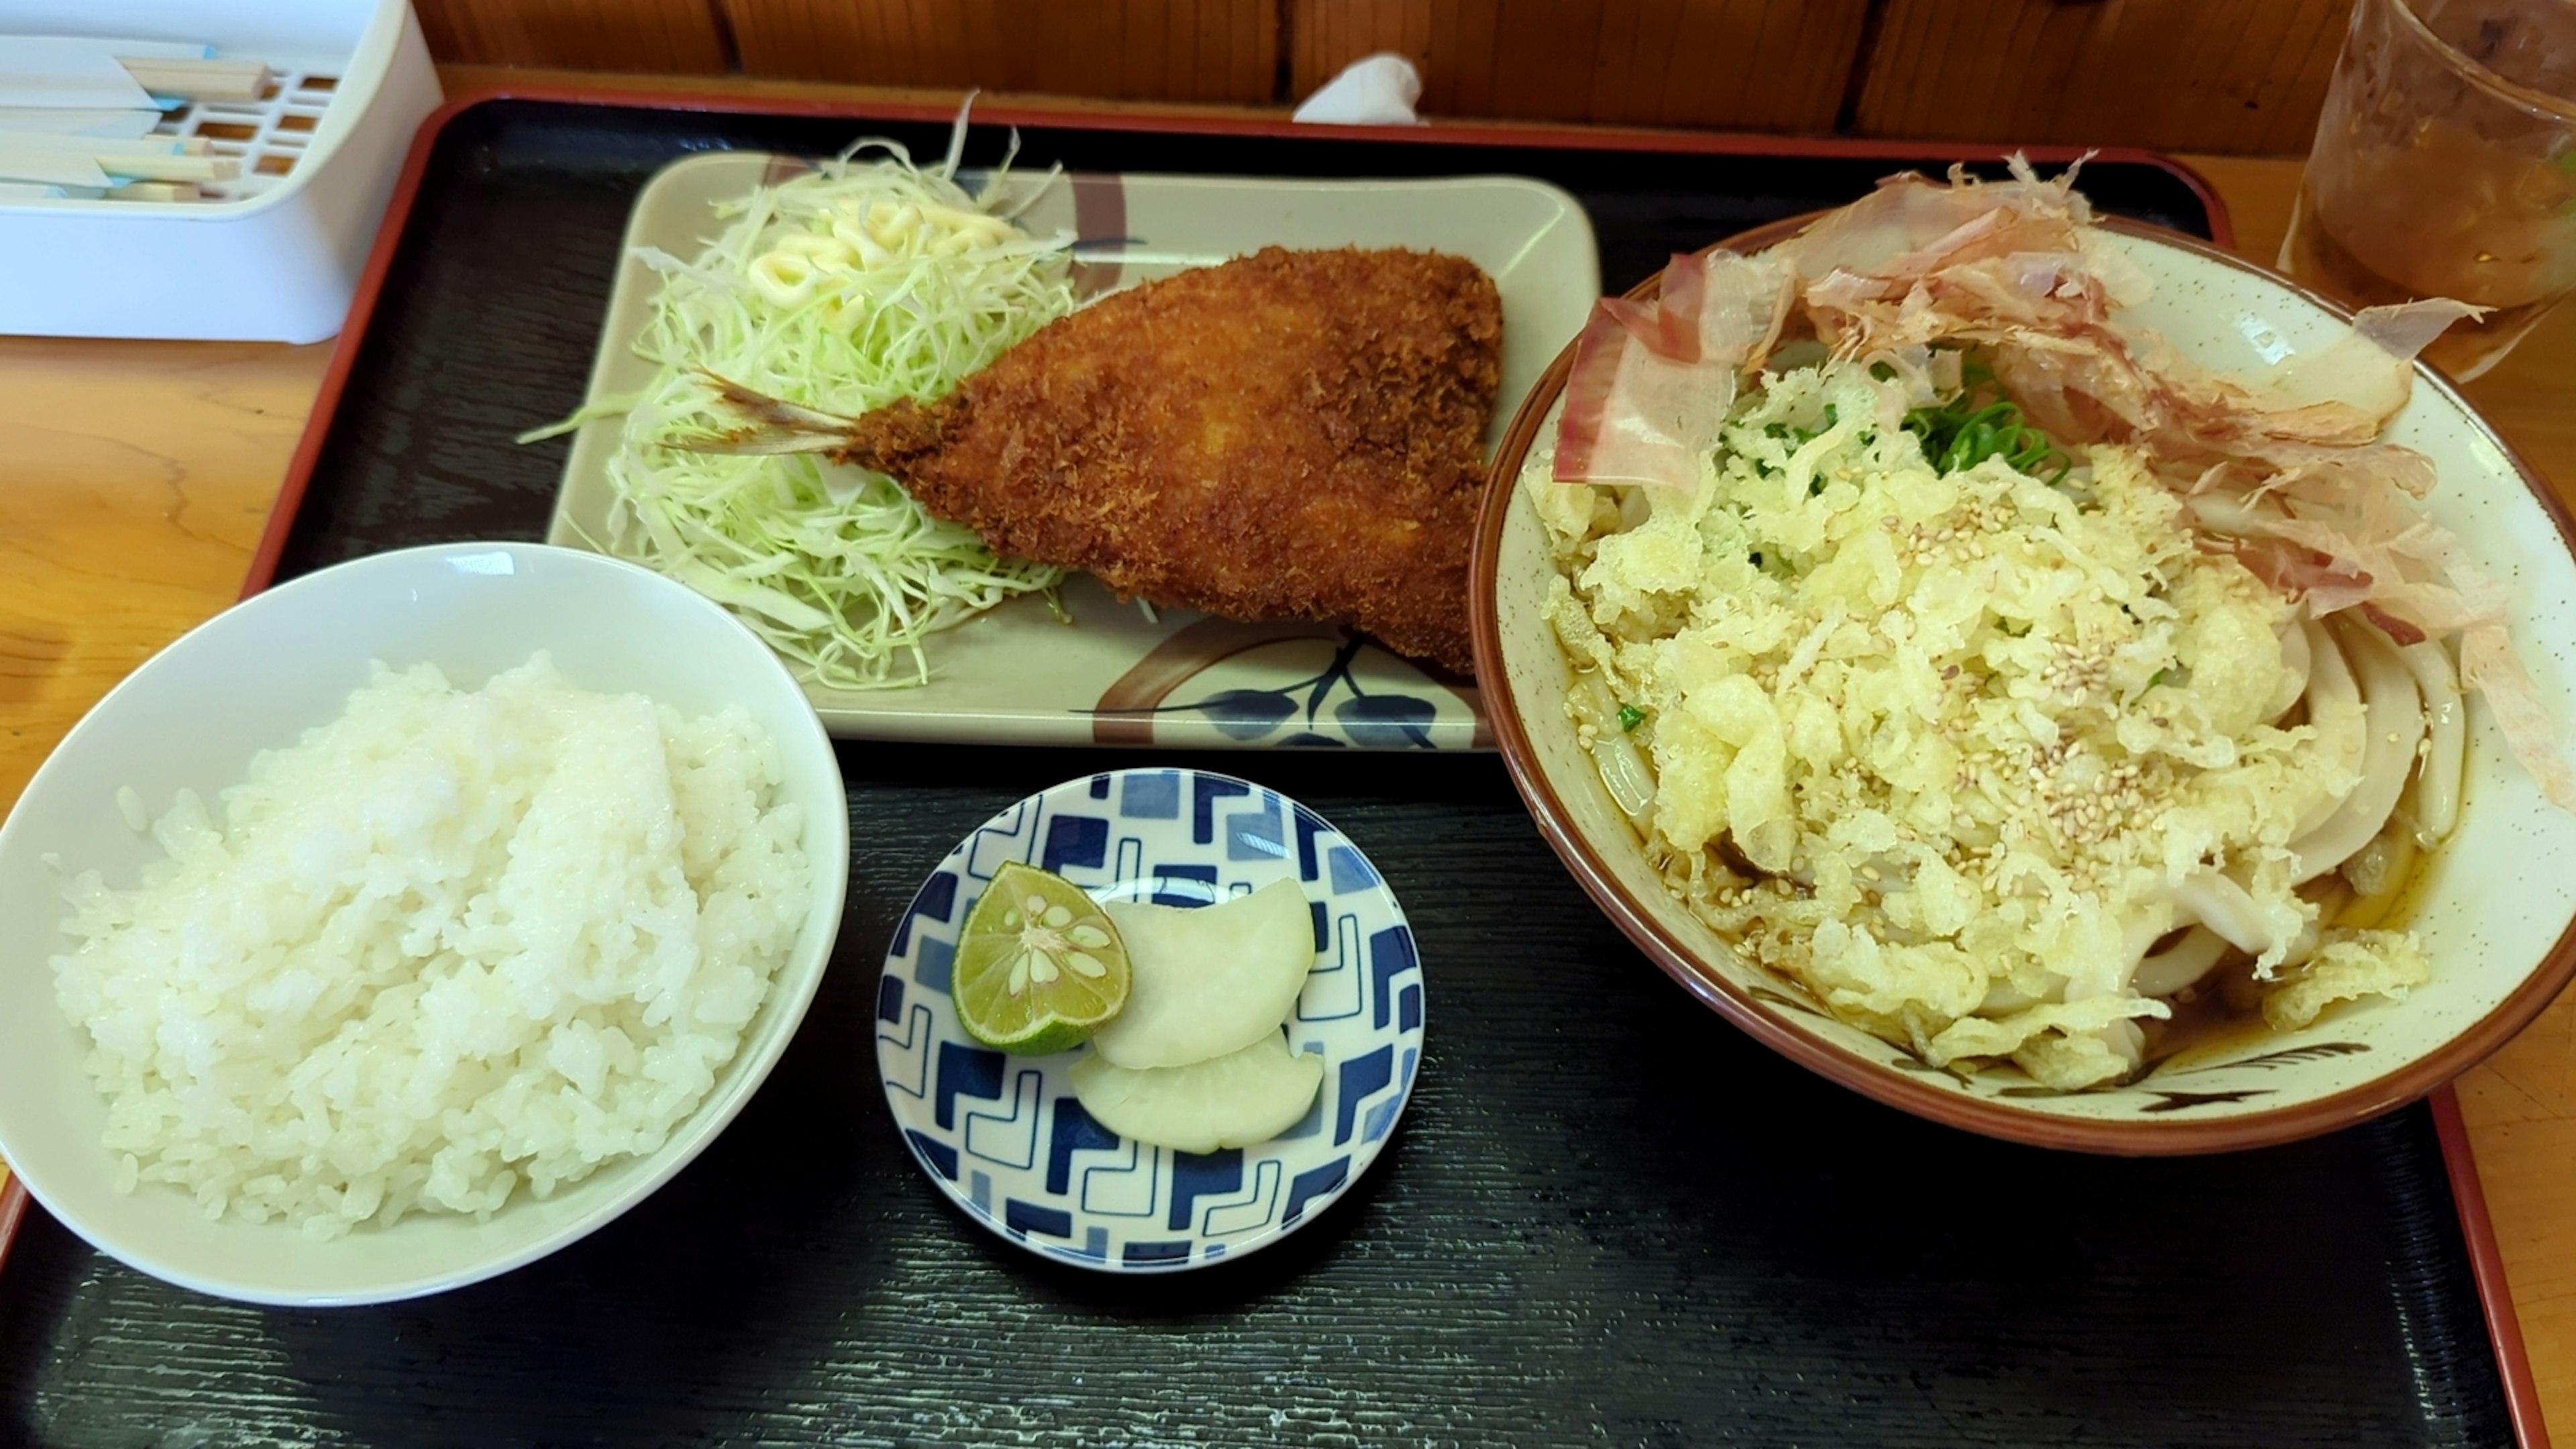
{"type": "Point", "coordinates": [451, 942]}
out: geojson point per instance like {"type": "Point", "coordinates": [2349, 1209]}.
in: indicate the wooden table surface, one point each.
{"type": "Point", "coordinates": [135, 478]}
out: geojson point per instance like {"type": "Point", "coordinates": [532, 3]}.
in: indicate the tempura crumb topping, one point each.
{"type": "Point", "coordinates": [1948, 749]}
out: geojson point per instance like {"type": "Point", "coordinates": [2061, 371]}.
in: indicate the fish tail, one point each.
{"type": "Point", "coordinates": [775, 425]}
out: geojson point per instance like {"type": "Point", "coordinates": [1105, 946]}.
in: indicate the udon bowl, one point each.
{"type": "Point", "coordinates": [2495, 906]}
{"type": "Point", "coordinates": [255, 677]}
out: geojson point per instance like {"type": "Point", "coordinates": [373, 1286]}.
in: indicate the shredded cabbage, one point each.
{"type": "Point", "coordinates": [867, 280]}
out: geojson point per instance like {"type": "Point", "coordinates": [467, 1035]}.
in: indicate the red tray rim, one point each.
{"type": "Point", "coordinates": [2522, 1402]}
{"type": "Point", "coordinates": [13, 1205]}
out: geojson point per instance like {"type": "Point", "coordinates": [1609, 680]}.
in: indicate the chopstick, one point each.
{"type": "Point", "coordinates": [153, 191]}
{"type": "Point", "coordinates": [171, 168]}
{"type": "Point", "coordinates": [199, 80]}
{"type": "Point", "coordinates": [56, 144]}
{"type": "Point", "coordinates": [53, 168]}
{"type": "Point", "coordinates": [63, 166]}
{"type": "Point", "coordinates": [15, 140]}
{"type": "Point", "coordinates": [154, 168]}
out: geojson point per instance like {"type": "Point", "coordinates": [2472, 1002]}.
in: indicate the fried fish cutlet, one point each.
{"type": "Point", "coordinates": [1286, 435]}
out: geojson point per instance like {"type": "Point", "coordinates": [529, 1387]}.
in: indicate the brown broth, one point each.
{"type": "Point", "coordinates": [2222, 1016]}
{"type": "Point", "coordinates": [2212, 1020]}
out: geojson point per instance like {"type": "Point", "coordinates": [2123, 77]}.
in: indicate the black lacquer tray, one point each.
{"type": "Point", "coordinates": [1607, 1218]}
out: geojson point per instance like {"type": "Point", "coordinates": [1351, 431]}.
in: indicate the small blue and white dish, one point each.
{"type": "Point", "coordinates": [1003, 1135]}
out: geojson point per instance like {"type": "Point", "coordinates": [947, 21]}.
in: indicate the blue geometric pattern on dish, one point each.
{"type": "Point", "coordinates": [1003, 1135]}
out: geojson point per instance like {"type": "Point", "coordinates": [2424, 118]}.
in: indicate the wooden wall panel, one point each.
{"type": "Point", "coordinates": [671, 37]}
{"type": "Point", "coordinates": [1765, 65]}
{"type": "Point", "coordinates": [2208, 75]}
{"type": "Point", "coordinates": [1178, 50]}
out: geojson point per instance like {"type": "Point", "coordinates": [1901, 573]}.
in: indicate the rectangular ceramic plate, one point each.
{"type": "Point", "coordinates": [1017, 675]}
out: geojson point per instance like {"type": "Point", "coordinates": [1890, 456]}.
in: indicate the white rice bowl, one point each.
{"type": "Point", "coordinates": [448, 943]}
{"type": "Point", "coordinates": [542, 980]}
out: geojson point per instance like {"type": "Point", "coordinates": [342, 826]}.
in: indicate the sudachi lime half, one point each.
{"type": "Point", "coordinates": [1039, 965]}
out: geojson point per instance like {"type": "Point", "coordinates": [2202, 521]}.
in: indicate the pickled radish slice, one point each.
{"type": "Point", "coordinates": [1210, 980]}
{"type": "Point", "coordinates": [1245, 1097]}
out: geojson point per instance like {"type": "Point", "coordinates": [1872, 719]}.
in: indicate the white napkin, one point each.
{"type": "Point", "coordinates": [1377, 90]}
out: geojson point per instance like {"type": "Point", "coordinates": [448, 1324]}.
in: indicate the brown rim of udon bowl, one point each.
{"type": "Point", "coordinates": [1886, 1084]}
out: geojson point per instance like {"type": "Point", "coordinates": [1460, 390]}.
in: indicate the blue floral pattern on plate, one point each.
{"type": "Point", "coordinates": [1003, 1135]}
{"type": "Point", "coordinates": [1292, 712]}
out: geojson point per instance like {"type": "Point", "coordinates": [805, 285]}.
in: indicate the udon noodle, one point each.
{"type": "Point", "coordinates": [1964, 654]}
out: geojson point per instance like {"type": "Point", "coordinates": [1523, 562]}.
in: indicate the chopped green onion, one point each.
{"type": "Point", "coordinates": [1798, 438]}
{"type": "Point", "coordinates": [1963, 433]}
{"type": "Point", "coordinates": [1974, 424]}
{"type": "Point", "coordinates": [1630, 717]}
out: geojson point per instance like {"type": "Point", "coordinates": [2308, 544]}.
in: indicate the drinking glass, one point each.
{"type": "Point", "coordinates": [2445, 166]}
